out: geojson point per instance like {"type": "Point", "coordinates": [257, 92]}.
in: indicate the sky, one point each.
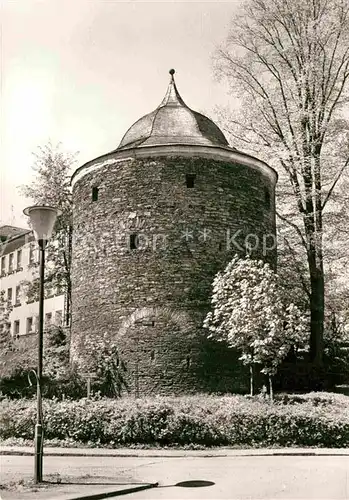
{"type": "Point", "coordinates": [81, 72]}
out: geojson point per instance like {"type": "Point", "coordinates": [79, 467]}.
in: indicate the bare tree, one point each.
{"type": "Point", "coordinates": [288, 62]}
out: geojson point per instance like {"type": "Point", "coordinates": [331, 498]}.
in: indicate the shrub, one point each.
{"type": "Point", "coordinates": [316, 419]}
{"type": "Point", "coordinates": [16, 365]}
{"type": "Point", "coordinates": [59, 377]}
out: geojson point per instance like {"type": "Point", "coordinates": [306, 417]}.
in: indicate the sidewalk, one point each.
{"type": "Point", "coordinates": [72, 483]}
{"type": "Point", "coordinates": [173, 453]}
{"type": "Point", "coordinates": [70, 491]}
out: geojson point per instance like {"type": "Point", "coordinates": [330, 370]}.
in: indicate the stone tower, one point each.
{"type": "Point", "coordinates": [154, 220]}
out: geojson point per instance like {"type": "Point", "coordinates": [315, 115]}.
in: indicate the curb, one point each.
{"type": "Point", "coordinates": [184, 454]}
{"type": "Point", "coordinates": [114, 493]}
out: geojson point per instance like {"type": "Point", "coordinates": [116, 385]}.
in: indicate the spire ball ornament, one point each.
{"type": "Point", "coordinates": [172, 72]}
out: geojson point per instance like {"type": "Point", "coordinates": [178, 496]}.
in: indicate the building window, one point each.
{"type": "Point", "coordinates": [19, 259]}
{"type": "Point", "coordinates": [9, 296]}
{"type": "Point", "coordinates": [152, 355]}
{"type": "Point", "coordinates": [190, 179]}
{"type": "Point", "coordinates": [31, 254]}
{"type": "Point", "coordinates": [10, 262]}
{"type": "Point", "coordinates": [95, 193]}
{"type": "Point", "coordinates": [133, 241]}
{"type": "Point", "coordinates": [18, 295]}
{"type": "Point", "coordinates": [48, 318]}
{"type": "Point", "coordinates": [16, 328]}
{"type": "Point", "coordinates": [29, 325]}
{"type": "Point", "coordinates": [267, 199]}
{"type": "Point", "coordinates": [3, 266]}
{"type": "Point", "coordinates": [188, 361]}
{"type": "Point", "coordinates": [58, 317]}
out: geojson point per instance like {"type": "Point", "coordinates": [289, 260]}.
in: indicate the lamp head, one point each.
{"type": "Point", "coordinates": [42, 221]}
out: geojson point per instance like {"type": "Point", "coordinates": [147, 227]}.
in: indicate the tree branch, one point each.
{"type": "Point", "coordinates": [294, 226]}
{"type": "Point", "coordinates": [330, 191]}
{"type": "Point", "coordinates": [299, 270]}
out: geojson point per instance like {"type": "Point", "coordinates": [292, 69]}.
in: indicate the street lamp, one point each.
{"type": "Point", "coordinates": [42, 221]}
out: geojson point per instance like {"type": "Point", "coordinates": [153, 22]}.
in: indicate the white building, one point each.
{"type": "Point", "coordinates": [19, 254]}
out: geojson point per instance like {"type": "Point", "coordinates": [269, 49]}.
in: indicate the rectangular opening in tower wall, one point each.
{"type": "Point", "coordinates": [190, 180]}
{"type": "Point", "coordinates": [267, 198]}
{"type": "Point", "coordinates": [95, 193]}
{"type": "Point", "coordinates": [133, 241]}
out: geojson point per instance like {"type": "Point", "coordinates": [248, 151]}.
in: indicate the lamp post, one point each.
{"type": "Point", "coordinates": [42, 221]}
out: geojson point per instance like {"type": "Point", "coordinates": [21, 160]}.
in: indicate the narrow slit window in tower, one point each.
{"type": "Point", "coordinates": [95, 193]}
{"type": "Point", "coordinates": [133, 241]}
{"type": "Point", "coordinates": [152, 355]}
{"type": "Point", "coordinates": [267, 197]}
{"type": "Point", "coordinates": [190, 180]}
{"type": "Point", "coordinates": [188, 361]}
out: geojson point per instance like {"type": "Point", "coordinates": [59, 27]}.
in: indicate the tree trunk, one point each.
{"type": "Point", "coordinates": [271, 393]}
{"type": "Point", "coordinates": [317, 298]}
{"type": "Point", "coordinates": [68, 307]}
{"type": "Point", "coordinates": [317, 304]}
{"type": "Point", "coordinates": [251, 380]}
{"type": "Point", "coordinates": [67, 263]}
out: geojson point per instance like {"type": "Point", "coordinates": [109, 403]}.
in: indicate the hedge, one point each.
{"type": "Point", "coordinates": [316, 419]}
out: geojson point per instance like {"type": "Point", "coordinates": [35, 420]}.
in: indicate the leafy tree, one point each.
{"type": "Point", "coordinates": [248, 313]}
{"type": "Point", "coordinates": [51, 186]}
{"type": "Point", "coordinates": [6, 340]}
{"type": "Point", "coordinates": [288, 63]}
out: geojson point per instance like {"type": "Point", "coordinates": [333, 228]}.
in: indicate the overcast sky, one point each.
{"type": "Point", "coordinates": [81, 72]}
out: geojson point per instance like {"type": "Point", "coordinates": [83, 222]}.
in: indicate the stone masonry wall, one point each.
{"type": "Point", "coordinates": [152, 300]}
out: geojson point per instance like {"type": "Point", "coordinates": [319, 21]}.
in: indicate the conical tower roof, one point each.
{"type": "Point", "coordinates": [173, 122]}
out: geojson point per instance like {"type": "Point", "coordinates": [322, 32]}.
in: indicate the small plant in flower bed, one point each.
{"type": "Point", "coordinates": [317, 419]}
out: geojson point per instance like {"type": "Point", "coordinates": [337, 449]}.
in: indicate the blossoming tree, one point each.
{"type": "Point", "coordinates": [248, 312]}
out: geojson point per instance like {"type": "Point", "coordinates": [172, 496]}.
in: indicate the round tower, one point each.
{"type": "Point", "coordinates": [154, 220]}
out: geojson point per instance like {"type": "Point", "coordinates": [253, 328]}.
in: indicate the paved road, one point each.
{"type": "Point", "coordinates": [255, 477]}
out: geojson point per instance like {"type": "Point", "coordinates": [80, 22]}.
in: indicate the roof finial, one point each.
{"type": "Point", "coordinates": [172, 72]}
